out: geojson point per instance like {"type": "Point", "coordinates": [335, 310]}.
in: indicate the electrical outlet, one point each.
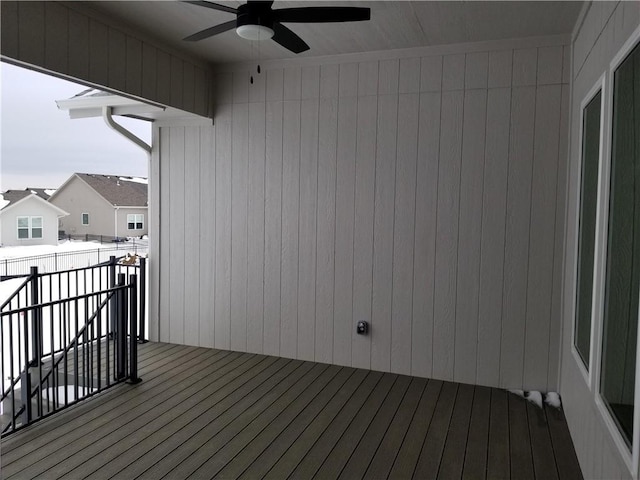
{"type": "Point", "coordinates": [362, 328]}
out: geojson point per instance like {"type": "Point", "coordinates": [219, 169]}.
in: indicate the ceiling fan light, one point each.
{"type": "Point", "coordinates": [254, 32]}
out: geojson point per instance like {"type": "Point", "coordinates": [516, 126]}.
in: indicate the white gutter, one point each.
{"type": "Point", "coordinates": [107, 116]}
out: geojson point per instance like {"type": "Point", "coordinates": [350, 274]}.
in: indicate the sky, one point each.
{"type": "Point", "coordinates": [41, 147]}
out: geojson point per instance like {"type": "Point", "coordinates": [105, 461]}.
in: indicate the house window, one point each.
{"type": "Point", "coordinates": [622, 274]}
{"type": "Point", "coordinates": [587, 225]}
{"type": "Point", "coordinates": [85, 219]}
{"type": "Point", "coordinates": [135, 221]}
{"type": "Point", "coordinates": [29, 227]}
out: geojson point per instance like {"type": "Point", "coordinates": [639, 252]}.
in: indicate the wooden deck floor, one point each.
{"type": "Point", "coordinates": [206, 413]}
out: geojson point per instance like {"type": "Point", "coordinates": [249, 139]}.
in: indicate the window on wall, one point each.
{"type": "Point", "coordinates": [135, 221]}
{"type": "Point", "coordinates": [29, 227]}
{"type": "Point", "coordinates": [622, 274]}
{"type": "Point", "coordinates": [85, 219]}
{"type": "Point", "coordinates": [587, 225]}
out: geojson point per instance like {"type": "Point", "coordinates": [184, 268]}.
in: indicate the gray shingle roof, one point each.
{"type": "Point", "coordinates": [13, 196]}
{"type": "Point", "coordinates": [118, 190]}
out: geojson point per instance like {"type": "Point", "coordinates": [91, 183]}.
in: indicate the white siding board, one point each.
{"type": "Point", "coordinates": [56, 37]}
{"type": "Point", "coordinates": [453, 72]}
{"type": "Point", "coordinates": [550, 60]}
{"type": "Point", "coordinates": [292, 83]}
{"type": "Point", "coordinates": [307, 249]}
{"type": "Point", "coordinates": [240, 86]}
{"type": "Point", "coordinates": [163, 81]}
{"type": "Point", "coordinates": [329, 81]}
{"type": "Point", "coordinates": [348, 79]}
{"type": "Point", "coordinates": [326, 230]}
{"type": "Point", "coordinates": [273, 246]}
{"type": "Point", "coordinates": [525, 66]}
{"type": "Point", "coordinates": [207, 181]}
{"type": "Point", "coordinates": [224, 87]}
{"type": "Point", "coordinates": [310, 82]}
{"type": "Point", "coordinates": [290, 228]}
{"type": "Point", "coordinates": [222, 300]}
{"type": "Point", "coordinates": [425, 234]}
{"type": "Point", "coordinates": [31, 32]}
{"type": "Point", "coordinates": [256, 228]}
{"type": "Point", "coordinates": [79, 46]}
{"type": "Point", "coordinates": [493, 236]}
{"type": "Point", "coordinates": [257, 89]}
{"type": "Point", "coordinates": [409, 81]}
{"type": "Point", "coordinates": [117, 52]}
{"type": "Point", "coordinates": [388, 76]}
{"type": "Point", "coordinates": [343, 323]}
{"type": "Point", "coordinates": [447, 234]}
{"type": "Point", "coordinates": [275, 85]}
{"type": "Point", "coordinates": [367, 75]}
{"type": "Point", "coordinates": [469, 235]}
{"type": "Point", "coordinates": [165, 196]}
{"type": "Point", "coordinates": [517, 235]}
{"type": "Point", "coordinates": [431, 73]}
{"type": "Point", "coordinates": [404, 230]}
{"type": "Point", "coordinates": [239, 241]}
{"type": "Point", "coordinates": [98, 51]}
{"type": "Point", "coordinates": [188, 84]}
{"type": "Point", "coordinates": [10, 28]}
{"type": "Point", "coordinates": [500, 66]}
{"type": "Point", "coordinates": [542, 232]}
{"type": "Point", "coordinates": [149, 71]}
{"type": "Point", "coordinates": [133, 61]}
{"type": "Point", "coordinates": [192, 222]}
{"type": "Point", "coordinates": [363, 228]}
{"type": "Point", "coordinates": [155, 246]}
{"type": "Point", "coordinates": [385, 169]}
{"type": "Point", "coordinates": [176, 235]}
{"type": "Point", "coordinates": [176, 74]}
{"type": "Point", "coordinates": [476, 70]}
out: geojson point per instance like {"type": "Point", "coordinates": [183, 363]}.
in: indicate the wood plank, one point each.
{"type": "Point", "coordinates": [363, 227]}
{"type": "Point", "coordinates": [98, 51]}
{"type": "Point", "coordinates": [498, 459]}
{"type": "Point", "coordinates": [133, 61]}
{"type": "Point", "coordinates": [79, 48]}
{"type": "Point", "coordinates": [290, 228]}
{"type": "Point", "coordinates": [350, 397]}
{"type": "Point", "coordinates": [163, 81]}
{"type": "Point", "coordinates": [434, 442]}
{"type": "Point", "coordinates": [519, 440]}
{"type": "Point", "coordinates": [220, 449]}
{"type": "Point", "coordinates": [565, 454]}
{"type": "Point", "coordinates": [9, 31]}
{"type": "Point", "coordinates": [222, 301]}
{"type": "Point", "coordinates": [344, 448]}
{"type": "Point", "coordinates": [176, 73]}
{"type": "Point", "coordinates": [447, 234]}
{"type": "Point", "coordinates": [343, 323]}
{"type": "Point", "coordinates": [188, 86]}
{"type": "Point", "coordinates": [494, 199]}
{"type": "Point", "coordinates": [307, 224]}
{"type": "Point", "coordinates": [541, 237]}
{"type": "Point", "coordinates": [176, 235]}
{"type": "Point", "coordinates": [544, 464]}
{"type": "Point", "coordinates": [117, 50]}
{"type": "Point", "coordinates": [362, 456]}
{"type": "Point", "coordinates": [239, 241]}
{"type": "Point", "coordinates": [385, 172]}
{"type": "Point", "coordinates": [150, 72]}
{"type": "Point", "coordinates": [207, 256]}
{"type": "Point", "coordinates": [31, 28]}
{"type": "Point", "coordinates": [404, 232]}
{"type": "Point", "coordinates": [382, 463]}
{"type": "Point", "coordinates": [330, 380]}
{"type": "Point", "coordinates": [469, 236]}
{"type": "Point", "coordinates": [56, 36]}
{"type": "Point", "coordinates": [425, 234]}
{"type": "Point", "coordinates": [517, 236]}
{"type": "Point", "coordinates": [273, 196]}
{"type": "Point", "coordinates": [475, 460]}
{"type": "Point", "coordinates": [221, 408]}
{"type": "Point", "coordinates": [326, 229]}
{"type": "Point", "coordinates": [256, 209]}
{"type": "Point", "coordinates": [453, 456]}
{"type": "Point", "coordinates": [295, 436]}
{"type": "Point", "coordinates": [192, 223]}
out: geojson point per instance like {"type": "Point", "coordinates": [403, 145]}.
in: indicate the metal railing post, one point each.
{"type": "Point", "coordinates": [112, 284]}
{"type": "Point", "coordinates": [25, 396]}
{"type": "Point", "coordinates": [143, 298]}
{"type": "Point", "coordinates": [133, 326]}
{"type": "Point", "coordinates": [121, 329]}
{"type": "Point", "coordinates": [36, 318]}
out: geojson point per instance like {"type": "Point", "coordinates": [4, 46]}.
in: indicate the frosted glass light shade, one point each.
{"type": "Point", "coordinates": [254, 32]}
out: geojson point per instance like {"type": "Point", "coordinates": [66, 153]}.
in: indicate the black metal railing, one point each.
{"type": "Point", "coordinates": [66, 336]}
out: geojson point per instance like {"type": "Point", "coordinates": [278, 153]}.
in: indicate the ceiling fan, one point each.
{"type": "Point", "coordinates": [256, 20]}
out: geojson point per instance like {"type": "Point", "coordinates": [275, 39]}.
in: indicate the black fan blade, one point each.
{"type": "Point", "coordinates": [288, 39]}
{"type": "Point", "coordinates": [215, 6]}
{"type": "Point", "coordinates": [211, 31]}
{"type": "Point", "coordinates": [262, 2]}
{"type": "Point", "coordinates": [321, 14]}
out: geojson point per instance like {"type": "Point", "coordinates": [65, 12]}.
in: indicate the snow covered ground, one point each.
{"type": "Point", "coordinates": [62, 247]}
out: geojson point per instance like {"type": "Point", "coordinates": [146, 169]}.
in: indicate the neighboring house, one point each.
{"type": "Point", "coordinates": [27, 218]}
{"type": "Point", "coordinates": [108, 205]}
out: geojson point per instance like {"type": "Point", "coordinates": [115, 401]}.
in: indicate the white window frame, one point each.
{"type": "Point", "coordinates": [588, 372]}
{"type": "Point", "coordinates": [629, 455]}
{"type": "Point", "coordinates": [135, 222]}
{"type": "Point", "coordinates": [29, 227]}
{"type": "Point", "coordinates": [82, 219]}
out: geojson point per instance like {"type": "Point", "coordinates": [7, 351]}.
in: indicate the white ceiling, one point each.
{"type": "Point", "coordinates": [393, 25]}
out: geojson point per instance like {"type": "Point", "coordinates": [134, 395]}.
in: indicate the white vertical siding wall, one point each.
{"type": "Point", "coordinates": [416, 192]}
{"type": "Point", "coordinates": [70, 39]}
{"type": "Point", "coordinates": [604, 29]}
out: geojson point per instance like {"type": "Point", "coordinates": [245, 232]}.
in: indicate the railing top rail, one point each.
{"type": "Point", "coordinates": [17, 292]}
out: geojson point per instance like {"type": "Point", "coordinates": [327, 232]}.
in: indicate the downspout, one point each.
{"type": "Point", "coordinates": [106, 115]}
{"type": "Point", "coordinates": [115, 221]}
